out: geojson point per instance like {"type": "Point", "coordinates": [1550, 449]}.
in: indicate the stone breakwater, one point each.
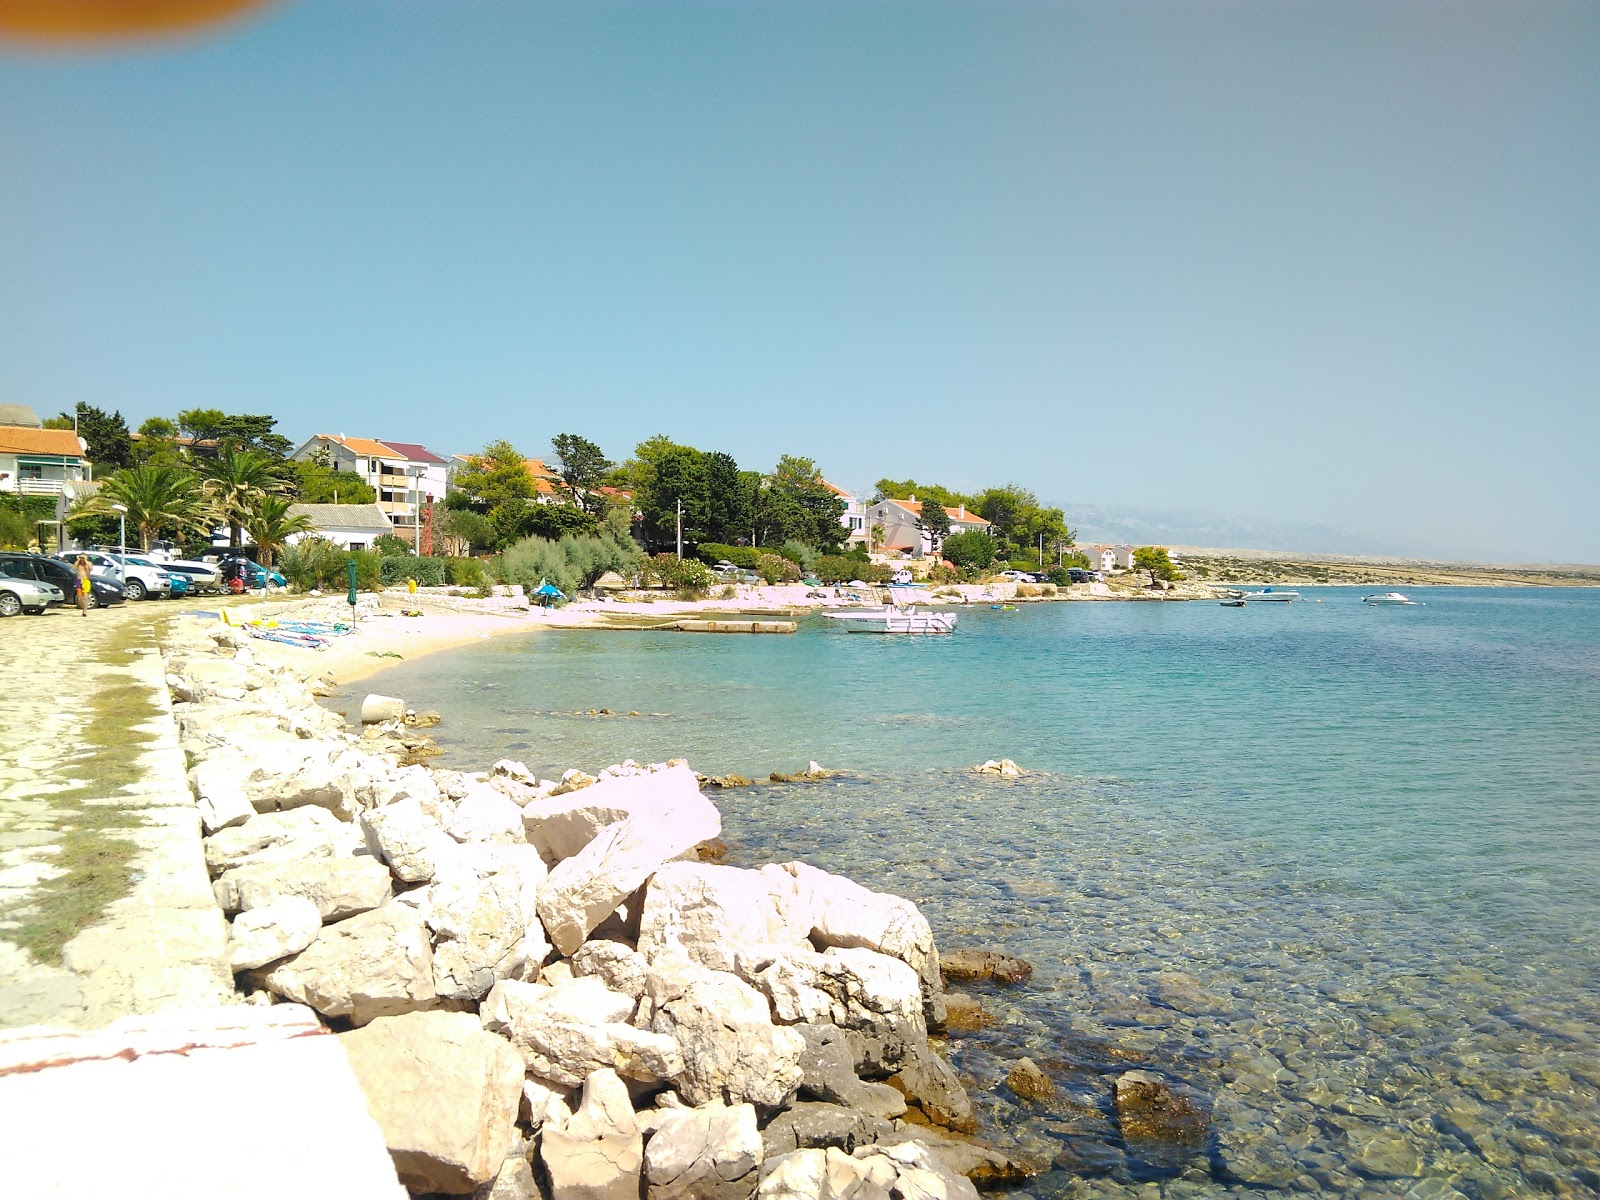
{"type": "Point", "coordinates": [541, 987]}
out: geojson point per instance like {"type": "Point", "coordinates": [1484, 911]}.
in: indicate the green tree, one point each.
{"type": "Point", "coordinates": [730, 500]}
{"type": "Point", "coordinates": [318, 484]}
{"type": "Point", "coordinates": [495, 477]}
{"type": "Point", "coordinates": [970, 551]}
{"type": "Point", "coordinates": [158, 496]}
{"type": "Point", "coordinates": [247, 431]}
{"type": "Point", "coordinates": [16, 531]}
{"type": "Point", "coordinates": [110, 444]}
{"type": "Point", "coordinates": [583, 468]}
{"type": "Point", "coordinates": [235, 482]}
{"type": "Point", "coordinates": [201, 424]}
{"type": "Point", "coordinates": [465, 531]}
{"type": "Point", "coordinates": [935, 522]}
{"type": "Point", "coordinates": [271, 525]}
{"type": "Point", "coordinates": [158, 438]}
{"type": "Point", "coordinates": [801, 506]}
{"type": "Point", "coordinates": [904, 489]}
{"type": "Point", "coordinates": [1157, 561]}
{"type": "Point", "coordinates": [677, 475]}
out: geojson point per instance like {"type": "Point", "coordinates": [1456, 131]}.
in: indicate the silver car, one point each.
{"type": "Point", "coordinates": [26, 595]}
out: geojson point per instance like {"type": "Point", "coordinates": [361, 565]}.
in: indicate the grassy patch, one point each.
{"type": "Point", "coordinates": [98, 866]}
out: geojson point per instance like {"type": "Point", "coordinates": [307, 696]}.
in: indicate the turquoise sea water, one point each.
{"type": "Point", "coordinates": [1333, 870]}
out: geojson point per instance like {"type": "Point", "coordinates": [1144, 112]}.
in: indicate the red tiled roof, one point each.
{"type": "Point", "coordinates": [956, 515]}
{"type": "Point", "coordinates": [23, 439]}
{"type": "Point", "coordinates": [414, 452]}
{"type": "Point", "coordinates": [368, 446]}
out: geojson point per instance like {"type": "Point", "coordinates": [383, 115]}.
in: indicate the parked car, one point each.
{"type": "Point", "coordinates": [1019, 577]}
{"type": "Point", "coordinates": [901, 578]}
{"type": "Point", "coordinates": [26, 595]}
{"type": "Point", "coordinates": [202, 576]}
{"type": "Point", "coordinates": [240, 574]}
{"type": "Point", "coordinates": [102, 591]}
{"type": "Point", "coordinates": [177, 584]}
{"type": "Point", "coordinates": [139, 582]}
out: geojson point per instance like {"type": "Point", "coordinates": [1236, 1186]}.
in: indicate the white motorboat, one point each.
{"type": "Point", "coordinates": [892, 618]}
{"type": "Point", "coordinates": [1387, 598]}
{"type": "Point", "coordinates": [1271, 594]}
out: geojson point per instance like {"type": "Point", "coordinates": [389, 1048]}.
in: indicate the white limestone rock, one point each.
{"type": "Point", "coordinates": [376, 964]}
{"type": "Point", "coordinates": [565, 822]}
{"type": "Point", "coordinates": [731, 1050]}
{"type": "Point", "coordinates": [706, 1153]}
{"type": "Point", "coordinates": [842, 913]}
{"type": "Point", "coordinates": [597, 1154]}
{"type": "Point", "coordinates": [577, 1027]}
{"type": "Point", "coordinates": [707, 913]}
{"type": "Point", "coordinates": [280, 837]}
{"type": "Point", "coordinates": [584, 890]}
{"type": "Point", "coordinates": [266, 934]}
{"type": "Point", "coordinates": [545, 1102]}
{"type": "Point", "coordinates": [482, 814]}
{"type": "Point", "coordinates": [445, 1094]}
{"type": "Point", "coordinates": [339, 887]}
{"type": "Point", "coordinates": [219, 797]}
{"type": "Point", "coordinates": [852, 988]}
{"type": "Point", "coordinates": [408, 838]}
{"type": "Point", "coordinates": [484, 930]}
{"type": "Point", "coordinates": [620, 968]}
{"type": "Point", "coordinates": [908, 1170]}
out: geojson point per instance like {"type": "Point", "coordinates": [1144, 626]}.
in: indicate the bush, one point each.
{"type": "Point", "coordinates": [15, 530]}
{"type": "Point", "coordinates": [428, 572]}
{"type": "Point", "coordinates": [712, 553]}
{"type": "Point", "coordinates": [944, 574]}
{"type": "Point", "coordinates": [391, 544]}
{"type": "Point", "coordinates": [775, 569]}
{"type": "Point", "coordinates": [972, 551]}
{"type": "Point", "coordinates": [687, 575]}
{"type": "Point", "coordinates": [836, 568]}
{"type": "Point", "coordinates": [1058, 576]}
{"type": "Point", "coordinates": [570, 564]}
{"type": "Point", "coordinates": [466, 572]}
{"type": "Point", "coordinates": [802, 555]}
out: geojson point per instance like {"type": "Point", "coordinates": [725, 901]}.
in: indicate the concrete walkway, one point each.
{"type": "Point", "coordinates": [93, 798]}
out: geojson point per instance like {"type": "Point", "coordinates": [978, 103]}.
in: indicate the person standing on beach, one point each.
{"type": "Point", "coordinates": [81, 569]}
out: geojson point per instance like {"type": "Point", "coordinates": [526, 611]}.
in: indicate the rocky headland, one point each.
{"type": "Point", "coordinates": [544, 987]}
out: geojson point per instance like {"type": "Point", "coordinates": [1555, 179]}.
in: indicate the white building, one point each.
{"type": "Point", "coordinates": [404, 474]}
{"type": "Point", "coordinates": [902, 525]}
{"type": "Point", "coordinates": [349, 526]}
{"type": "Point", "coordinates": [1108, 558]}
{"type": "Point", "coordinates": [38, 462]}
{"type": "Point", "coordinates": [854, 517]}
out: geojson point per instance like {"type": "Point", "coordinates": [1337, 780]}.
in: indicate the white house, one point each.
{"type": "Point", "coordinates": [1108, 558]}
{"type": "Point", "coordinates": [405, 474]}
{"type": "Point", "coordinates": [38, 462]}
{"type": "Point", "coordinates": [854, 516]}
{"type": "Point", "coordinates": [350, 526]}
{"type": "Point", "coordinates": [902, 525]}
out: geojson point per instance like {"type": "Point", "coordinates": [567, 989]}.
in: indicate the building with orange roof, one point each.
{"type": "Point", "coordinates": [40, 462]}
{"type": "Point", "coordinates": [902, 525]}
{"type": "Point", "coordinates": [406, 475]}
{"type": "Point", "coordinates": [854, 516]}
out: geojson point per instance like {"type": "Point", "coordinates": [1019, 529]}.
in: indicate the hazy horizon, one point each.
{"type": "Point", "coordinates": [1325, 269]}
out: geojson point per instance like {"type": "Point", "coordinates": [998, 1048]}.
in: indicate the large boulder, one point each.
{"type": "Point", "coordinates": [376, 964]}
{"type": "Point", "coordinates": [812, 1125]}
{"type": "Point", "coordinates": [851, 988]}
{"type": "Point", "coordinates": [597, 1154]}
{"type": "Point", "coordinates": [708, 913]}
{"type": "Point", "coordinates": [909, 1170]}
{"type": "Point", "coordinates": [621, 969]}
{"type": "Point", "coordinates": [579, 1026]}
{"type": "Point", "coordinates": [732, 1051]}
{"type": "Point", "coordinates": [829, 1074]}
{"type": "Point", "coordinates": [407, 836]}
{"type": "Point", "coordinates": [339, 887]}
{"type": "Point", "coordinates": [561, 825]}
{"type": "Point", "coordinates": [931, 1083]}
{"type": "Point", "coordinates": [280, 837]}
{"type": "Point", "coordinates": [485, 929]}
{"type": "Point", "coordinates": [584, 890]}
{"type": "Point", "coordinates": [840, 912]}
{"type": "Point", "coordinates": [285, 773]}
{"type": "Point", "coordinates": [707, 1153]}
{"type": "Point", "coordinates": [375, 709]}
{"type": "Point", "coordinates": [264, 935]}
{"type": "Point", "coordinates": [220, 797]}
{"type": "Point", "coordinates": [445, 1094]}
{"type": "Point", "coordinates": [483, 814]}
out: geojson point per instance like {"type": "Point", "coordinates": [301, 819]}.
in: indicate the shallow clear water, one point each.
{"type": "Point", "coordinates": [1333, 869]}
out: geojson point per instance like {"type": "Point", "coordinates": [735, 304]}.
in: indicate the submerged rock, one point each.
{"type": "Point", "coordinates": [1149, 1110]}
{"type": "Point", "coordinates": [971, 965]}
{"type": "Point", "coordinates": [1002, 768]}
{"type": "Point", "coordinates": [1029, 1082]}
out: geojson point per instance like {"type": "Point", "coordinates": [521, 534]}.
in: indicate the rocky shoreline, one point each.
{"type": "Point", "coordinates": [546, 988]}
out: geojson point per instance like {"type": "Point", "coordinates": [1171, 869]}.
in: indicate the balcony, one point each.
{"type": "Point", "coordinates": [35, 487]}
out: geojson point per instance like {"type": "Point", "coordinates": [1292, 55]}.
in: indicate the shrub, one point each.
{"type": "Point", "coordinates": [972, 551]}
{"type": "Point", "coordinates": [944, 574]}
{"type": "Point", "coordinates": [836, 568]}
{"type": "Point", "coordinates": [391, 544]}
{"type": "Point", "coordinates": [802, 555]}
{"type": "Point", "coordinates": [1058, 576]}
{"type": "Point", "coordinates": [686, 575]}
{"type": "Point", "coordinates": [775, 569]}
{"type": "Point", "coordinates": [466, 572]}
{"type": "Point", "coordinates": [570, 564]}
{"type": "Point", "coordinates": [15, 529]}
{"type": "Point", "coordinates": [712, 553]}
{"type": "Point", "coordinates": [428, 572]}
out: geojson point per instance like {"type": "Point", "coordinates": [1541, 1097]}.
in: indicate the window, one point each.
{"type": "Point", "coordinates": [30, 471]}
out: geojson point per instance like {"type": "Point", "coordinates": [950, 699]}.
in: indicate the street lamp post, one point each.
{"type": "Point", "coordinates": [122, 536]}
{"type": "Point", "coordinates": [416, 474]}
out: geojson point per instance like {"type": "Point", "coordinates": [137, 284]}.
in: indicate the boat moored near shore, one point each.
{"type": "Point", "coordinates": [1272, 594]}
{"type": "Point", "coordinates": [1395, 598]}
{"type": "Point", "coordinates": [892, 618]}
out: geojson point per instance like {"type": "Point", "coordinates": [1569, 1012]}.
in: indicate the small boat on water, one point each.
{"type": "Point", "coordinates": [1232, 602]}
{"type": "Point", "coordinates": [1272, 594]}
{"type": "Point", "coordinates": [1387, 598]}
{"type": "Point", "coordinates": [892, 618]}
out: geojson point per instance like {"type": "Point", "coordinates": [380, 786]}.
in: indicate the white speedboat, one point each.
{"type": "Point", "coordinates": [893, 619]}
{"type": "Point", "coordinates": [1387, 598]}
{"type": "Point", "coordinates": [1271, 594]}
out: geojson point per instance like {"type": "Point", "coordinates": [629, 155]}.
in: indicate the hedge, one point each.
{"type": "Point", "coordinates": [711, 553]}
{"type": "Point", "coordinates": [428, 572]}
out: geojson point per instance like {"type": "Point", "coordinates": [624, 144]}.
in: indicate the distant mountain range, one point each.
{"type": "Point", "coordinates": [1185, 527]}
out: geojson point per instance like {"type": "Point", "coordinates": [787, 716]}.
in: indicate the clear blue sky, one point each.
{"type": "Point", "coordinates": [1330, 262]}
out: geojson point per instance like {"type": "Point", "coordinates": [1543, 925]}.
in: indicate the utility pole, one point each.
{"type": "Point", "coordinates": [680, 530]}
{"type": "Point", "coordinates": [1041, 550]}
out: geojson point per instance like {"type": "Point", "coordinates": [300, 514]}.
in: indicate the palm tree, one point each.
{"type": "Point", "coordinates": [236, 480]}
{"type": "Point", "coordinates": [270, 526]}
{"type": "Point", "coordinates": [157, 496]}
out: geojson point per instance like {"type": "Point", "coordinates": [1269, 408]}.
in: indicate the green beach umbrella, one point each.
{"type": "Point", "coordinates": [351, 596]}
